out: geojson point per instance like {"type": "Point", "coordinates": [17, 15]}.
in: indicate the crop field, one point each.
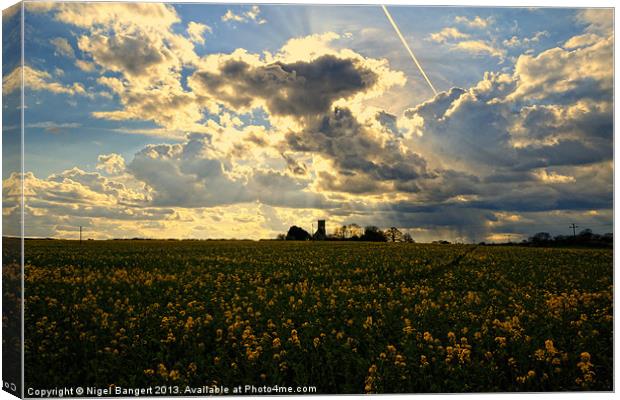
{"type": "Point", "coordinates": [344, 317]}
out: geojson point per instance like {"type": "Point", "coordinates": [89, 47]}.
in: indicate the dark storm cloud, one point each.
{"type": "Point", "coordinates": [388, 121]}
{"type": "Point", "coordinates": [130, 54]}
{"type": "Point", "coordinates": [585, 120]}
{"type": "Point", "coordinates": [295, 89]}
{"type": "Point", "coordinates": [566, 152]}
{"type": "Point", "coordinates": [296, 167]}
{"type": "Point", "coordinates": [448, 184]}
{"type": "Point", "coordinates": [353, 149]}
{"type": "Point", "coordinates": [436, 108]}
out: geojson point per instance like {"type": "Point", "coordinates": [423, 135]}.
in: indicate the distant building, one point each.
{"type": "Point", "coordinates": [321, 233]}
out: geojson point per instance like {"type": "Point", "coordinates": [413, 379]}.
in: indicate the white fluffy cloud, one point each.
{"type": "Point", "coordinates": [479, 47]}
{"type": "Point", "coordinates": [63, 47]}
{"type": "Point", "coordinates": [112, 164]}
{"type": "Point", "coordinates": [253, 14]}
{"type": "Point", "coordinates": [475, 22]}
{"type": "Point", "coordinates": [196, 31]}
{"type": "Point", "coordinates": [34, 79]}
{"type": "Point", "coordinates": [447, 34]}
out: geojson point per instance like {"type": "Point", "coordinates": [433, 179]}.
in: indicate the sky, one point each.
{"type": "Point", "coordinates": [238, 121]}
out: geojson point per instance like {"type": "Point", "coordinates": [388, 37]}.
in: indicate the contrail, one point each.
{"type": "Point", "coordinates": [402, 39]}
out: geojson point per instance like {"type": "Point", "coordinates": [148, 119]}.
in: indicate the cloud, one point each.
{"type": "Point", "coordinates": [587, 39]}
{"type": "Point", "coordinates": [294, 166]}
{"type": "Point", "coordinates": [192, 175]}
{"type": "Point", "coordinates": [460, 41]}
{"type": "Point", "coordinates": [85, 66]}
{"type": "Point", "coordinates": [253, 14]}
{"type": "Point", "coordinates": [52, 126]}
{"type": "Point", "coordinates": [132, 55]}
{"type": "Point", "coordinates": [112, 164]}
{"type": "Point", "coordinates": [114, 16]}
{"type": "Point", "coordinates": [35, 79]}
{"type": "Point", "coordinates": [524, 42]}
{"type": "Point", "coordinates": [57, 205]}
{"type": "Point", "coordinates": [479, 47]}
{"type": "Point", "coordinates": [356, 150]}
{"type": "Point", "coordinates": [231, 16]}
{"type": "Point", "coordinates": [136, 44]}
{"type": "Point", "coordinates": [141, 60]}
{"type": "Point", "coordinates": [196, 31]}
{"type": "Point", "coordinates": [447, 34]}
{"type": "Point", "coordinates": [292, 82]}
{"type": "Point", "coordinates": [553, 177]}
{"type": "Point", "coordinates": [565, 74]}
{"type": "Point", "coordinates": [545, 114]}
{"type": "Point", "coordinates": [63, 47]}
{"type": "Point", "coordinates": [476, 22]}
{"type": "Point", "coordinates": [298, 89]}
{"type": "Point", "coordinates": [598, 20]}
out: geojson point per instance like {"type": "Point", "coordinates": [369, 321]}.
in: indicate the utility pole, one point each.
{"type": "Point", "coordinates": [80, 234]}
{"type": "Point", "coordinates": [573, 227]}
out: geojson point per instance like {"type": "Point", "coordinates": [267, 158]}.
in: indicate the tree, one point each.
{"type": "Point", "coordinates": [340, 232]}
{"type": "Point", "coordinates": [407, 238]}
{"type": "Point", "coordinates": [355, 231]}
{"type": "Point", "coordinates": [394, 235]}
{"type": "Point", "coordinates": [373, 234]}
{"type": "Point", "coordinates": [281, 236]}
{"type": "Point", "coordinates": [297, 233]}
{"type": "Point", "coordinates": [540, 237]}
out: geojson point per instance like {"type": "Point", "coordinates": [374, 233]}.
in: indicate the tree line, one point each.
{"type": "Point", "coordinates": [352, 232]}
{"type": "Point", "coordinates": [584, 238]}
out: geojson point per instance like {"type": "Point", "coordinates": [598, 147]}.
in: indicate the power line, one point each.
{"type": "Point", "coordinates": [574, 227]}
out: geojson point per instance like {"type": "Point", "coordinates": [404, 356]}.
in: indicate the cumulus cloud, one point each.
{"type": "Point", "coordinates": [132, 55]}
{"type": "Point", "coordinates": [597, 20]}
{"type": "Point", "coordinates": [461, 41]}
{"type": "Point", "coordinates": [566, 75]}
{"type": "Point", "coordinates": [253, 15]}
{"type": "Point", "coordinates": [34, 79]}
{"type": "Point", "coordinates": [515, 41]}
{"type": "Point", "coordinates": [356, 150]}
{"type": "Point", "coordinates": [297, 89]}
{"type": "Point", "coordinates": [113, 164]}
{"type": "Point", "coordinates": [475, 22]}
{"type": "Point", "coordinates": [530, 136]}
{"type": "Point", "coordinates": [447, 34]}
{"type": "Point", "coordinates": [196, 31]}
{"type": "Point", "coordinates": [109, 15]}
{"type": "Point", "coordinates": [85, 66]}
{"type": "Point", "coordinates": [63, 47]}
{"type": "Point", "coordinates": [136, 43]}
{"type": "Point", "coordinates": [479, 47]}
{"type": "Point", "coordinates": [192, 175]}
{"type": "Point", "coordinates": [557, 132]}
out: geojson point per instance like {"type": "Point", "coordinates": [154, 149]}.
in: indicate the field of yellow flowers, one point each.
{"type": "Point", "coordinates": [344, 317]}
